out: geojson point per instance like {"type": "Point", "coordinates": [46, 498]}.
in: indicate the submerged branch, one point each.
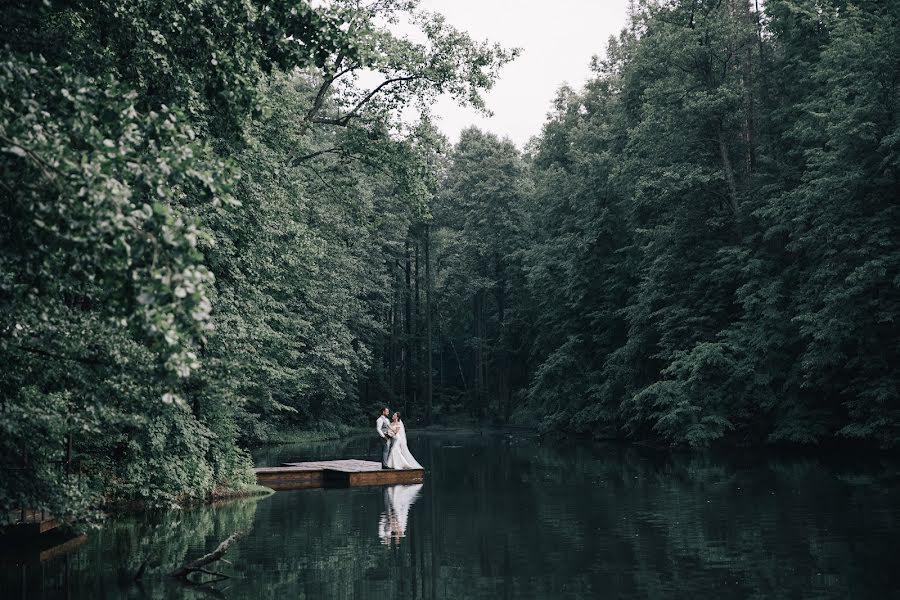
{"type": "Point", "coordinates": [196, 566]}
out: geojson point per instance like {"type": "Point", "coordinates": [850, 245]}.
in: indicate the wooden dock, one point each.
{"type": "Point", "coordinates": [334, 473]}
{"type": "Point", "coordinates": [26, 523]}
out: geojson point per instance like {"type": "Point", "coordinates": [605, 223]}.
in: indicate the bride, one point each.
{"type": "Point", "coordinates": [400, 456]}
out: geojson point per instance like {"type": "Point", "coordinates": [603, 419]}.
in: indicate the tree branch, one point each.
{"type": "Point", "coordinates": [330, 187]}
{"type": "Point", "coordinates": [298, 162]}
{"type": "Point", "coordinates": [326, 85]}
{"type": "Point", "coordinates": [311, 155]}
{"type": "Point", "coordinates": [196, 566]}
{"type": "Point", "coordinates": [94, 362]}
{"type": "Point", "coordinates": [345, 119]}
{"type": "Point", "coordinates": [46, 168]}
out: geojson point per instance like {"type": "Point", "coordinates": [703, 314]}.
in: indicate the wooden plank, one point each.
{"type": "Point", "coordinates": [280, 486]}
{"type": "Point", "coordinates": [287, 469]}
{"type": "Point", "coordinates": [387, 477]}
{"type": "Point", "coordinates": [334, 473]}
{"type": "Point", "coordinates": [47, 525]}
{"type": "Point", "coordinates": [290, 478]}
{"type": "Point", "coordinates": [351, 465]}
{"type": "Point", "coordinates": [34, 522]}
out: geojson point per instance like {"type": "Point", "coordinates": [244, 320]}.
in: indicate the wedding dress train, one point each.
{"type": "Point", "coordinates": [400, 456]}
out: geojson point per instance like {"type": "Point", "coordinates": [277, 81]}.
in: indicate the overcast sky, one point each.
{"type": "Point", "coordinates": [557, 37]}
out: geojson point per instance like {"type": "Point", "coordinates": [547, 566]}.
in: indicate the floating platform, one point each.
{"type": "Point", "coordinates": [334, 473]}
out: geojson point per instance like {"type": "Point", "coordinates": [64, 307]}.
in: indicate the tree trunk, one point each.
{"type": "Point", "coordinates": [395, 333]}
{"type": "Point", "coordinates": [428, 380]}
{"type": "Point", "coordinates": [502, 357]}
{"type": "Point", "coordinates": [69, 445]}
{"type": "Point", "coordinates": [747, 85]}
{"type": "Point", "coordinates": [407, 351]}
{"type": "Point", "coordinates": [763, 75]}
{"type": "Point", "coordinates": [389, 347]}
{"type": "Point", "coordinates": [420, 375]}
{"type": "Point", "coordinates": [477, 358]}
{"type": "Point", "coordinates": [729, 171]}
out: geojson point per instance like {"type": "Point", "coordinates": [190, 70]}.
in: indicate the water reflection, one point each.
{"type": "Point", "coordinates": [397, 501]}
{"type": "Point", "coordinates": [507, 516]}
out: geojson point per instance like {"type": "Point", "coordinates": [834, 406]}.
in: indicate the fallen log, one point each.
{"type": "Point", "coordinates": [197, 566]}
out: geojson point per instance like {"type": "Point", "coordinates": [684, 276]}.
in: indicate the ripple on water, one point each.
{"type": "Point", "coordinates": [502, 516]}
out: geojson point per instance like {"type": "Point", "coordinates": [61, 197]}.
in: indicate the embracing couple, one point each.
{"type": "Point", "coordinates": [396, 454]}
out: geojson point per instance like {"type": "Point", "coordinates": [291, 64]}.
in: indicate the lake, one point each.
{"type": "Point", "coordinates": [504, 515]}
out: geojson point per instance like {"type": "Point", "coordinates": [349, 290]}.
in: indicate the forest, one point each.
{"type": "Point", "coordinates": [220, 223]}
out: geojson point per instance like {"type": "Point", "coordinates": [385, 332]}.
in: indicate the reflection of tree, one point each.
{"type": "Point", "coordinates": [508, 516]}
{"type": "Point", "coordinates": [771, 528]}
{"type": "Point", "coordinates": [623, 522]}
{"type": "Point", "coordinates": [113, 555]}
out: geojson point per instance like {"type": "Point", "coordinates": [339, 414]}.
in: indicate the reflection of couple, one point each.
{"type": "Point", "coordinates": [396, 454]}
{"type": "Point", "coordinates": [397, 500]}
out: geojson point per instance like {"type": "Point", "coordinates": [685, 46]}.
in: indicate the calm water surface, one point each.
{"type": "Point", "coordinates": [503, 515]}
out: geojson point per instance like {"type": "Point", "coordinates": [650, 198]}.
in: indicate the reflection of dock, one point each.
{"type": "Point", "coordinates": [334, 473]}
{"type": "Point", "coordinates": [38, 550]}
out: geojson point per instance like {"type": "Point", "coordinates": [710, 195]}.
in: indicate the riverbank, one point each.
{"type": "Point", "coordinates": [306, 436]}
{"type": "Point", "coordinates": [218, 495]}
{"type": "Point", "coordinates": [245, 490]}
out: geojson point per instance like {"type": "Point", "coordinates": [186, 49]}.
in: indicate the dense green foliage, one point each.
{"type": "Point", "coordinates": [711, 242]}
{"type": "Point", "coordinates": [201, 212]}
{"type": "Point", "coordinates": [212, 231]}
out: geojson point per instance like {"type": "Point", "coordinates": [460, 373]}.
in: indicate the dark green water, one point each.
{"type": "Point", "coordinates": [504, 516]}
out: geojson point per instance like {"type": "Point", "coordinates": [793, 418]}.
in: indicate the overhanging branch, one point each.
{"type": "Point", "coordinates": [344, 120]}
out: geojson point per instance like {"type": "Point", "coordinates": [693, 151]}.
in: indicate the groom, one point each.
{"type": "Point", "coordinates": [383, 427]}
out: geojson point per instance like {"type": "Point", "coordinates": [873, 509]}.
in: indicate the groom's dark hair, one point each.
{"type": "Point", "coordinates": [385, 409]}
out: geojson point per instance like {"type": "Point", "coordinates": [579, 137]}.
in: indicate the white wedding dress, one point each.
{"type": "Point", "coordinates": [400, 456]}
{"type": "Point", "coordinates": [397, 501]}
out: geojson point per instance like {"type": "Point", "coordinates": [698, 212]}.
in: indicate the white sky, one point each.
{"type": "Point", "coordinates": [558, 39]}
